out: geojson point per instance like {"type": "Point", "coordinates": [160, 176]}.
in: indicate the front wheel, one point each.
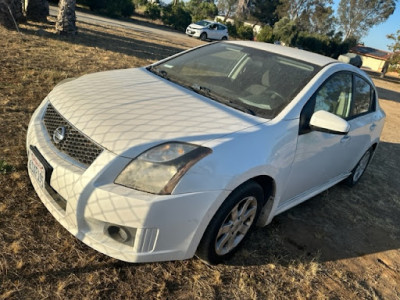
{"type": "Point", "coordinates": [232, 223]}
{"type": "Point", "coordinates": [359, 169]}
{"type": "Point", "coordinates": [224, 38]}
{"type": "Point", "coordinates": [203, 36]}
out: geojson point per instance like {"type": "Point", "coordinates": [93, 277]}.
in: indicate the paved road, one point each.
{"type": "Point", "coordinates": [93, 19]}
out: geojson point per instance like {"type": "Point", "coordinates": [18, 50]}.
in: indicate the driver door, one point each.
{"type": "Point", "coordinates": [324, 157]}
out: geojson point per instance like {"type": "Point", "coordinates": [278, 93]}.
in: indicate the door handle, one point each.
{"type": "Point", "coordinates": [372, 127]}
{"type": "Point", "coordinates": [345, 139]}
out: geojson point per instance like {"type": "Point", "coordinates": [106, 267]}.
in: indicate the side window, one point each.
{"type": "Point", "coordinates": [335, 95]}
{"type": "Point", "coordinates": [363, 95]}
{"type": "Point", "coordinates": [344, 94]}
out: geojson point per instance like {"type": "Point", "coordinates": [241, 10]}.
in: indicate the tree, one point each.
{"type": "Point", "coordinates": [10, 13]}
{"type": "Point", "coordinates": [37, 10]}
{"type": "Point", "coordinates": [293, 8]}
{"type": "Point", "coordinates": [227, 7]}
{"type": "Point", "coordinates": [285, 30]}
{"type": "Point", "coordinates": [315, 16]}
{"type": "Point", "coordinates": [66, 18]}
{"type": "Point", "coordinates": [114, 8]}
{"type": "Point", "coordinates": [266, 35]}
{"type": "Point", "coordinates": [322, 19]}
{"type": "Point", "coordinates": [356, 17]}
{"type": "Point", "coordinates": [265, 11]}
{"type": "Point", "coordinates": [152, 11]}
{"type": "Point", "coordinates": [395, 47]}
{"type": "Point", "coordinates": [176, 16]}
{"type": "Point", "coordinates": [243, 9]}
{"type": "Point", "coordinates": [200, 10]}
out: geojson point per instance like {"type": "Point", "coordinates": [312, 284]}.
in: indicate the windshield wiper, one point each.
{"type": "Point", "coordinates": [201, 89]}
{"type": "Point", "coordinates": [205, 91]}
{"type": "Point", "coordinates": [157, 71]}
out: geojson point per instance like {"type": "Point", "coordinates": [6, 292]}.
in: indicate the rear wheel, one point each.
{"type": "Point", "coordinates": [203, 36]}
{"type": "Point", "coordinates": [232, 223]}
{"type": "Point", "coordinates": [224, 38]}
{"type": "Point", "coordinates": [359, 169]}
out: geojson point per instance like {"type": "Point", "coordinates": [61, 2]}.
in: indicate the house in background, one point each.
{"type": "Point", "coordinates": [372, 59]}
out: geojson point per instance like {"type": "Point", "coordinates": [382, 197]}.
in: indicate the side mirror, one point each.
{"type": "Point", "coordinates": [328, 122]}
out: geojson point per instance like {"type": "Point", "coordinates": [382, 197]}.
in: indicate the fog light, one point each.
{"type": "Point", "coordinates": [121, 234]}
{"type": "Point", "coordinates": [118, 233]}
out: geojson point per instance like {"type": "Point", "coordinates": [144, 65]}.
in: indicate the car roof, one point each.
{"type": "Point", "coordinates": [314, 58]}
{"type": "Point", "coordinates": [214, 22]}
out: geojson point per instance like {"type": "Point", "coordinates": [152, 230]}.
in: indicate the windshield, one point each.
{"type": "Point", "coordinates": [251, 80]}
{"type": "Point", "coordinates": [203, 23]}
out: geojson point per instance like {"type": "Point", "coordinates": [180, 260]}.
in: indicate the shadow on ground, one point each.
{"type": "Point", "coordinates": [98, 37]}
{"type": "Point", "coordinates": [339, 223]}
{"type": "Point", "coordinates": [388, 94]}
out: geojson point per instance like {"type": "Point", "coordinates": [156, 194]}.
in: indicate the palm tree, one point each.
{"type": "Point", "coordinates": [66, 17]}
{"type": "Point", "coordinates": [37, 10]}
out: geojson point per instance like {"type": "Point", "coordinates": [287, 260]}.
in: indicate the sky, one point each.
{"type": "Point", "coordinates": [376, 37]}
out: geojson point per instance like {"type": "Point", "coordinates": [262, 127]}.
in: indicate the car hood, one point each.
{"type": "Point", "coordinates": [129, 111]}
{"type": "Point", "coordinates": [195, 26]}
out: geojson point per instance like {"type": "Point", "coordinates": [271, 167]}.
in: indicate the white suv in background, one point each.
{"type": "Point", "coordinates": [208, 30]}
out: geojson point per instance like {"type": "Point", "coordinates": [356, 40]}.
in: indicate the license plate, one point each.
{"type": "Point", "coordinates": [37, 169]}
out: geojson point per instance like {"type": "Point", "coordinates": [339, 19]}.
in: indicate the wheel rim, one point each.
{"type": "Point", "coordinates": [236, 225]}
{"type": "Point", "coordinates": [362, 165]}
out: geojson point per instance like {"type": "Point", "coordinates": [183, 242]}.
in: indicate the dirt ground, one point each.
{"type": "Point", "coordinates": [342, 244]}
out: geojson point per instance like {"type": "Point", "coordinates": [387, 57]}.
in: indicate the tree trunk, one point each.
{"type": "Point", "coordinates": [66, 18]}
{"type": "Point", "coordinates": [37, 10]}
{"type": "Point", "coordinates": [227, 14]}
{"type": "Point", "coordinates": [10, 13]}
{"type": "Point", "coordinates": [243, 10]}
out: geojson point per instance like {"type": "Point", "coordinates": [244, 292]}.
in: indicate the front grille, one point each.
{"type": "Point", "coordinates": [74, 143]}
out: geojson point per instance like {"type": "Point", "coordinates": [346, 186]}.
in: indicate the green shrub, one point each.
{"type": "Point", "coordinates": [231, 29]}
{"type": "Point", "coordinates": [140, 2]}
{"type": "Point", "coordinates": [200, 10]}
{"type": "Point", "coordinates": [244, 32]}
{"type": "Point", "coordinates": [118, 8]}
{"type": "Point", "coordinates": [239, 30]}
{"type": "Point", "coordinates": [112, 8]}
{"type": "Point", "coordinates": [265, 35]}
{"type": "Point", "coordinates": [152, 11]}
{"type": "Point", "coordinates": [323, 44]}
{"type": "Point", "coordinates": [176, 16]}
{"type": "Point", "coordinates": [285, 30]}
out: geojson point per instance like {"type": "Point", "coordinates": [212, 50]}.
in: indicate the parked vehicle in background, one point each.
{"type": "Point", "coordinates": [187, 155]}
{"type": "Point", "coordinates": [207, 30]}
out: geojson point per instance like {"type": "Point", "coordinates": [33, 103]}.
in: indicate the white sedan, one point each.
{"type": "Point", "coordinates": [207, 30]}
{"type": "Point", "coordinates": [187, 155]}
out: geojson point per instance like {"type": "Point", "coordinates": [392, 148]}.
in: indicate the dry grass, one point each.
{"type": "Point", "coordinates": [342, 244]}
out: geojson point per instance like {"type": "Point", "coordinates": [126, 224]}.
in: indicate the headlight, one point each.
{"type": "Point", "coordinates": [159, 169]}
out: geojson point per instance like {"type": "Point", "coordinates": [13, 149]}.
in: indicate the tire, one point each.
{"type": "Point", "coordinates": [224, 38]}
{"type": "Point", "coordinates": [203, 36]}
{"type": "Point", "coordinates": [359, 169]}
{"type": "Point", "coordinates": [232, 223]}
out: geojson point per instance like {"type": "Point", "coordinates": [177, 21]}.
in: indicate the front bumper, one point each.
{"type": "Point", "coordinates": [193, 32]}
{"type": "Point", "coordinates": [159, 227]}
